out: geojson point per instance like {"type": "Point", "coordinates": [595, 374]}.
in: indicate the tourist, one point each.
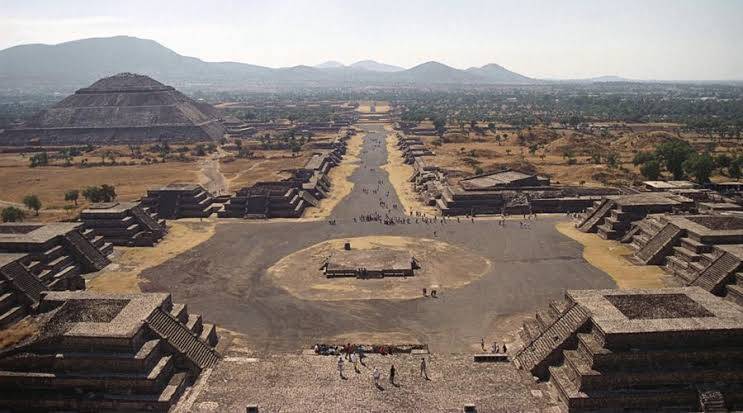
{"type": "Point", "coordinates": [392, 375]}
{"type": "Point", "coordinates": [425, 293]}
{"type": "Point", "coordinates": [375, 376]}
{"type": "Point", "coordinates": [340, 367]}
{"type": "Point", "coordinates": [354, 360]}
{"type": "Point", "coordinates": [495, 347]}
{"type": "Point", "coordinates": [424, 368]}
{"type": "Point", "coordinates": [505, 351]}
{"type": "Point", "coordinates": [482, 343]}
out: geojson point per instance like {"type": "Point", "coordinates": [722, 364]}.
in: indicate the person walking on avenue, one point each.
{"type": "Point", "coordinates": [375, 376]}
{"type": "Point", "coordinates": [354, 360]}
{"type": "Point", "coordinates": [392, 375]}
{"type": "Point", "coordinates": [424, 368]}
{"type": "Point", "coordinates": [340, 367]}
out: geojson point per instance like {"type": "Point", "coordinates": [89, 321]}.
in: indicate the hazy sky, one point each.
{"type": "Point", "coordinates": [648, 39]}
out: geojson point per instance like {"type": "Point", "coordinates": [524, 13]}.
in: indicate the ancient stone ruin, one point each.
{"type": "Point", "coordinates": [180, 201]}
{"type": "Point", "coordinates": [369, 263]}
{"type": "Point", "coordinates": [104, 352]}
{"type": "Point", "coordinates": [124, 108]}
{"type": "Point", "coordinates": [124, 224]}
{"type": "Point", "coordinates": [612, 217]}
{"type": "Point", "coordinates": [56, 253]}
{"type": "Point", "coordinates": [498, 192]}
{"type": "Point", "coordinates": [675, 348]}
{"type": "Point", "coordinates": [699, 250]}
{"type": "Point", "coordinates": [290, 197]}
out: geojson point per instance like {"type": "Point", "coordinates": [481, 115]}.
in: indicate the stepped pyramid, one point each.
{"type": "Point", "coordinates": [124, 108]}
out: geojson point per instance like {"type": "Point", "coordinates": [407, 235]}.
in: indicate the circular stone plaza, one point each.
{"type": "Point", "coordinates": [263, 284]}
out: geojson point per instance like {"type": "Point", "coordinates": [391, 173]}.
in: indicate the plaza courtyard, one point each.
{"type": "Point", "coordinates": [230, 279]}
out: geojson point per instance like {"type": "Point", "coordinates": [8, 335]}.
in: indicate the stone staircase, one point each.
{"type": "Point", "coordinates": [596, 215]}
{"type": "Point", "coordinates": [656, 249]}
{"type": "Point", "coordinates": [184, 341]}
{"type": "Point", "coordinates": [555, 330]}
{"type": "Point", "coordinates": [718, 274]}
{"type": "Point", "coordinates": [90, 257]}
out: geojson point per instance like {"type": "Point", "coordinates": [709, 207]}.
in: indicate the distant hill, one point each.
{"type": "Point", "coordinates": [499, 74]}
{"type": "Point", "coordinates": [80, 62]}
{"type": "Point", "coordinates": [329, 64]}
{"type": "Point", "coordinates": [435, 72]}
{"type": "Point", "coordinates": [373, 66]}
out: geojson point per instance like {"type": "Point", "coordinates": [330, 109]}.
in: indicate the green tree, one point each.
{"type": "Point", "coordinates": [72, 195]}
{"type": "Point", "coordinates": [734, 170]}
{"type": "Point", "coordinates": [674, 153]}
{"type": "Point", "coordinates": [723, 161]}
{"type": "Point", "coordinates": [12, 214]}
{"type": "Point", "coordinates": [103, 193]}
{"type": "Point", "coordinates": [650, 169]}
{"type": "Point", "coordinates": [642, 157]}
{"type": "Point", "coordinates": [32, 202]}
{"type": "Point", "coordinates": [39, 159]}
{"type": "Point", "coordinates": [109, 192]}
{"type": "Point", "coordinates": [612, 159]}
{"type": "Point", "coordinates": [700, 167]}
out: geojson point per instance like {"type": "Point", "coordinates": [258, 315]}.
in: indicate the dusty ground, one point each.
{"type": "Point", "coordinates": [443, 266]}
{"type": "Point", "coordinates": [611, 257]}
{"type": "Point", "coordinates": [267, 166]}
{"type": "Point", "coordinates": [122, 276]}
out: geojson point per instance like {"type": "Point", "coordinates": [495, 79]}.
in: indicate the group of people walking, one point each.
{"type": "Point", "coordinates": [376, 373]}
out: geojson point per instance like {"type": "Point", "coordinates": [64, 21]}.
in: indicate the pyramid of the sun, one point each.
{"type": "Point", "coordinates": [124, 108]}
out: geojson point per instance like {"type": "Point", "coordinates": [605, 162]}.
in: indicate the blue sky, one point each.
{"type": "Point", "coordinates": [651, 39]}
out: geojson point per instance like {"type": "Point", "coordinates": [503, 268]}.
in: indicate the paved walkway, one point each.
{"type": "Point", "coordinates": [225, 278]}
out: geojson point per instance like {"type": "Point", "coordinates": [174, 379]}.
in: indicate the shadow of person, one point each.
{"type": "Point", "coordinates": [379, 387]}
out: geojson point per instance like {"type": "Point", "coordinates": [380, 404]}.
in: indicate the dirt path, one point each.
{"type": "Point", "coordinates": [211, 177]}
{"type": "Point", "coordinates": [123, 275]}
{"type": "Point", "coordinates": [610, 257]}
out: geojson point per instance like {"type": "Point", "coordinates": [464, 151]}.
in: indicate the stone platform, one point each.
{"type": "Point", "coordinates": [647, 349]}
{"type": "Point", "coordinates": [370, 263]}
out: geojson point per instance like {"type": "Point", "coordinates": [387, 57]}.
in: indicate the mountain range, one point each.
{"type": "Point", "coordinates": [81, 62]}
{"type": "Point", "coordinates": [66, 66]}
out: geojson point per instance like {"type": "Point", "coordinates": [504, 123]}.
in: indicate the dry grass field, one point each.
{"type": "Point", "coordinates": [266, 166]}
{"type": "Point", "coordinates": [465, 152]}
{"type": "Point", "coordinates": [50, 183]}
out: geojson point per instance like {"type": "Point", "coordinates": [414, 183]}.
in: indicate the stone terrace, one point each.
{"type": "Point", "coordinates": [180, 201]}
{"type": "Point", "coordinates": [124, 224]}
{"type": "Point", "coordinates": [94, 352]}
{"type": "Point", "coordinates": [639, 349]}
{"type": "Point", "coordinates": [56, 253]}
{"type": "Point", "coordinates": [701, 250]}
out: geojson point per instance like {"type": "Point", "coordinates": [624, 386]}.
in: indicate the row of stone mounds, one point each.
{"type": "Point", "coordinates": [290, 197]}
{"type": "Point", "coordinates": [505, 191]}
